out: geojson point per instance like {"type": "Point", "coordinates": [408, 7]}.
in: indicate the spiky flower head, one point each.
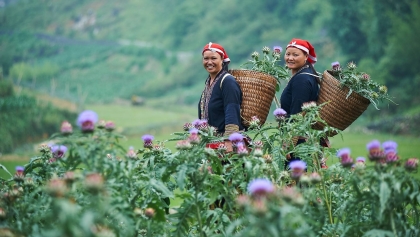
{"type": "Point", "coordinates": [375, 151]}
{"type": "Point", "coordinates": [411, 164]}
{"type": "Point", "coordinates": [279, 114]}
{"type": "Point", "coordinates": [383, 89]}
{"type": "Point", "coordinates": [255, 55]}
{"type": "Point", "coordinates": [389, 146]}
{"type": "Point", "coordinates": [188, 126]}
{"type": "Point", "coordinates": [361, 159]}
{"type": "Point", "coordinates": [258, 144]}
{"type": "Point", "coordinates": [258, 152]}
{"type": "Point", "coordinates": [266, 50]}
{"type": "Point", "coordinates": [101, 124]}
{"type": "Point", "coordinates": [194, 138]}
{"type": "Point", "coordinates": [87, 120]}
{"type": "Point", "coordinates": [19, 175]}
{"type": "Point", "coordinates": [94, 182]}
{"type": "Point", "coordinates": [66, 128]}
{"type": "Point", "coordinates": [19, 169]}
{"type": "Point", "coordinates": [297, 168]}
{"type": "Point", "coordinates": [365, 76]}
{"type": "Point", "coordinates": [147, 140]}
{"type": "Point", "coordinates": [183, 145]}
{"type": "Point", "coordinates": [58, 151]}
{"type": "Point", "coordinates": [260, 187]}
{"type": "Point", "coordinates": [149, 212]}
{"type": "Point", "coordinates": [391, 156]}
{"type": "Point", "coordinates": [351, 65]}
{"type": "Point", "coordinates": [236, 137]}
{"type": "Point", "coordinates": [131, 153]}
{"type": "Point", "coordinates": [346, 160]}
{"type": "Point", "coordinates": [277, 49]}
{"type": "Point", "coordinates": [193, 131]}
{"type": "Point", "coordinates": [56, 187]}
{"type": "Point", "coordinates": [241, 149]}
{"type": "Point", "coordinates": [254, 123]}
{"type": "Point", "coordinates": [307, 106]}
{"type": "Point", "coordinates": [109, 126]}
{"type": "Point", "coordinates": [335, 65]}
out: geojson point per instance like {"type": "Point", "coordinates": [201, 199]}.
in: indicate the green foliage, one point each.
{"type": "Point", "coordinates": [86, 184]}
{"type": "Point", "coordinates": [25, 120]}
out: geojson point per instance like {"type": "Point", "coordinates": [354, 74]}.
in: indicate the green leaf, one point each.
{"type": "Point", "coordinates": [162, 188]}
{"type": "Point", "coordinates": [384, 194]}
{"type": "Point", "coordinates": [180, 179]}
{"type": "Point", "coordinates": [4, 168]}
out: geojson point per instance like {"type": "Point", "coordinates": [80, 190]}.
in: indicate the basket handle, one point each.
{"type": "Point", "coordinates": [318, 77]}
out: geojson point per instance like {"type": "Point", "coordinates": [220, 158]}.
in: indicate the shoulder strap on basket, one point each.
{"type": "Point", "coordinates": [318, 77]}
{"type": "Point", "coordinates": [223, 78]}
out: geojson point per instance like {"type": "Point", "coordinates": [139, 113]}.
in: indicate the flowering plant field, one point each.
{"type": "Point", "coordinates": [83, 183]}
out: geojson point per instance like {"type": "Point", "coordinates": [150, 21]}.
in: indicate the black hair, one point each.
{"type": "Point", "coordinates": [225, 66]}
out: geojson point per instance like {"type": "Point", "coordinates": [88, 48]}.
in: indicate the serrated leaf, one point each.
{"type": "Point", "coordinates": [384, 194]}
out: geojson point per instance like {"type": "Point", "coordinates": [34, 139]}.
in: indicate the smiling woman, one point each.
{"type": "Point", "coordinates": [220, 105]}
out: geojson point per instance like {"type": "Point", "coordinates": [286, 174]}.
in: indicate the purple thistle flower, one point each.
{"type": "Point", "coordinates": [20, 169]}
{"type": "Point", "coordinates": [279, 114]}
{"type": "Point", "coordinates": [200, 124]}
{"type": "Point", "coordinates": [297, 164]}
{"type": "Point", "coordinates": [277, 49]}
{"type": "Point", "coordinates": [374, 144]}
{"type": "Point", "coordinates": [236, 137]}
{"type": "Point", "coordinates": [389, 146]}
{"type": "Point", "coordinates": [375, 152]}
{"type": "Point", "coordinates": [260, 186]}
{"type": "Point", "coordinates": [194, 131]}
{"type": "Point", "coordinates": [361, 159]}
{"type": "Point", "coordinates": [298, 168]}
{"type": "Point", "coordinates": [147, 140]}
{"type": "Point", "coordinates": [335, 64]}
{"type": "Point", "coordinates": [87, 120]}
{"type": "Point", "coordinates": [58, 151]}
{"type": "Point", "coordinates": [344, 152]}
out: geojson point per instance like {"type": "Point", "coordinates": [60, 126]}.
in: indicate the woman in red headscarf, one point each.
{"type": "Point", "coordinates": [302, 87]}
{"type": "Point", "coordinates": [220, 102]}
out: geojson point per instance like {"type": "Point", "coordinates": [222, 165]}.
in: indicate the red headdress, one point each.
{"type": "Point", "coordinates": [218, 49]}
{"type": "Point", "coordinates": [306, 47]}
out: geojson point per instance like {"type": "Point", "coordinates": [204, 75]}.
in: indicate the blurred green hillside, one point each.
{"type": "Point", "coordinates": [108, 52]}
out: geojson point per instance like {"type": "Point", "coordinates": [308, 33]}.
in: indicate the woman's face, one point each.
{"type": "Point", "coordinates": [295, 58]}
{"type": "Point", "coordinates": [212, 62]}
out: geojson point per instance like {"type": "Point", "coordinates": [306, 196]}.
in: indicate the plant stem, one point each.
{"type": "Point", "coordinates": [327, 200]}
{"type": "Point", "coordinates": [200, 222]}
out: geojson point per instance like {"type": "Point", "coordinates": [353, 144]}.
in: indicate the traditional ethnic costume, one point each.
{"type": "Point", "coordinates": [220, 102]}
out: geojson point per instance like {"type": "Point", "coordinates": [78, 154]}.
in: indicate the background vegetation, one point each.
{"type": "Point", "coordinates": [90, 52]}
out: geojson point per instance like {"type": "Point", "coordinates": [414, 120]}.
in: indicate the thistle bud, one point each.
{"type": "Point", "coordinates": [66, 128]}
{"type": "Point", "coordinates": [149, 212]}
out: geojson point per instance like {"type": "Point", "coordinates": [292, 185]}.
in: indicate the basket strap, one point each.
{"type": "Point", "coordinates": [318, 77]}
{"type": "Point", "coordinates": [223, 78]}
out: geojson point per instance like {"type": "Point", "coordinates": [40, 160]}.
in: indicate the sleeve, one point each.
{"type": "Point", "coordinates": [301, 92]}
{"type": "Point", "coordinates": [232, 99]}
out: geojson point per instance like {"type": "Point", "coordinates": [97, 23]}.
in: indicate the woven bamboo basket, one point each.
{"type": "Point", "coordinates": [340, 112]}
{"type": "Point", "coordinates": [258, 91]}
